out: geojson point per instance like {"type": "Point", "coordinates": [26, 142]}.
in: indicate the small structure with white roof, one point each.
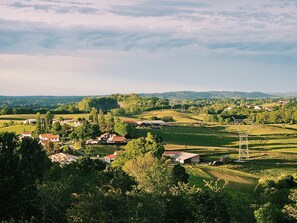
{"type": "Point", "coordinates": [182, 157]}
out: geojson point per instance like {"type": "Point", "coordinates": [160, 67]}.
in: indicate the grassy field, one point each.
{"type": "Point", "coordinates": [273, 148]}
{"type": "Point", "coordinates": [18, 129]}
{"type": "Point", "coordinates": [101, 150]}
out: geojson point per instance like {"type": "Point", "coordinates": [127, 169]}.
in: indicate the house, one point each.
{"type": "Point", "coordinates": [114, 139]}
{"type": "Point", "coordinates": [103, 137]}
{"type": "Point", "coordinates": [110, 158]}
{"type": "Point", "coordinates": [30, 121]}
{"type": "Point", "coordinates": [63, 158]}
{"type": "Point", "coordinates": [49, 137]}
{"type": "Point", "coordinates": [182, 157]}
{"type": "Point", "coordinates": [92, 142]}
{"type": "Point", "coordinates": [257, 107]}
{"type": "Point", "coordinates": [26, 134]}
{"type": "Point", "coordinates": [154, 123]}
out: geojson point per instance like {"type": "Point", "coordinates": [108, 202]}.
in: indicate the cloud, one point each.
{"type": "Point", "coordinates": [179, 42]}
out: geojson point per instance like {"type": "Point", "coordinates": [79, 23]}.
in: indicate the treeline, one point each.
{"type": "Point", "coordinates": [141, 186]}
{"type": "Point", "coordinates": [118, 104]}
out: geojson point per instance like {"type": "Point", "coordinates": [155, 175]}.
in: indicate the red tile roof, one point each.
{"type": "Point", "coordinates": [49, 136]}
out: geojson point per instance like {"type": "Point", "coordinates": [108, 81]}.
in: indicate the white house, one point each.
{"type": "Point", "coordinates": [182, 157]}
{"type": "Point", "coordinates": [49, 137]}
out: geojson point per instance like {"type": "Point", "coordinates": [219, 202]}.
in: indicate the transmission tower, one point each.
{"type": "Point", "coordinates": [243, 133]}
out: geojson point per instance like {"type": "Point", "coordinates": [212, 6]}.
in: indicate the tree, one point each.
{"type": "Point", "coordinates": [121, 128]}
{"type": "Point", "coordinates": [21, 166]}
{"type": "Point", "coordinates": [109, 122]}
{"type": "Point", "coordinates": [268, 213]}
{"type": "Point", "coordinates": [48, 120]}
{"type": "Point", "coordinates": [101, 121]}
{"type": "Point", "coordinates": [39, 125]}
{"type": "Point", "coordinates": [49, 146]}
{"type": "Point", "coordinates": [140, 146]}
{"type": "Point", "coordinates": [56, 128]}
{"type": "Point", "coordinates": [179, 174]}
{"type": "Point", "coordinates": [65, 130]}
{"type": "Point", "coordinates": [150, 173]}
{"type": "Point", "coordinates": [291, 209]}
{"type": "Point", "coordinates": [94, 116]}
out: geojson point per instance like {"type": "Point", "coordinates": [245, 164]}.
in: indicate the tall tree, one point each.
{"type": "Point", "coordinates": [48, 121]}
{"type": "Point", "coordinates": [39, 124]}
{"type": "Point", "coordinates": [109, 121]}
{"type": "Point", "coordinates": [94, 116]}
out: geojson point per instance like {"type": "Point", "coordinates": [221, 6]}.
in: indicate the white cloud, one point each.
{"type": "Point", "coordinates": [168, 40]}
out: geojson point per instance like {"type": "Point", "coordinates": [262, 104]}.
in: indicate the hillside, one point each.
{"type": "Point", "coordinates": [181, 95]}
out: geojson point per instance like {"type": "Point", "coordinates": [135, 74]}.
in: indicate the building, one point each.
{"type": "Point", "coordinates": [66, 120]}
{"type": "Point", "coordinates": [110, 158]}
{"type": "Point", "coordinates": [49, 137]}
{"type": "Point", "coordinates": [182, 157]}
{"type": "Point", "coordinates": [92, 142]}
{"type": "Point", "coordinates": [26, 134]}
{"type": "Point", "coordinates": [112, 139]}
{"type": "Point", "coordinates": [103, 137]}
{"type": "Point", "coordinates": [30, 121]}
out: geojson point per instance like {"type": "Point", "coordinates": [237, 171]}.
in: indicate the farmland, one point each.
{"type": "Point", "coordinates": [273, 148]}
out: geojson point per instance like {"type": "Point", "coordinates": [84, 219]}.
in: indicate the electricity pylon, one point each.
{"type": "Point", "coordinates": [243, 153]}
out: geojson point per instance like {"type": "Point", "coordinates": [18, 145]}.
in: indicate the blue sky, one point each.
{"type": "Point", "coordinates": [55, 47]}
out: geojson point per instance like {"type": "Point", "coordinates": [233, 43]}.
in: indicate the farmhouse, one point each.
{"type": "Point", "coordinates": [154, 123]}
{"type": "Point", "coordinates": [49, 137]}
{"type": "Point", "coordinates": [63, 158]}
{"type": "Point", "coordinates": [182, 157]}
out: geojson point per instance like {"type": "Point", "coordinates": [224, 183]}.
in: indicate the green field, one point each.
{"type": "Point", "coordinates": [273, 148]}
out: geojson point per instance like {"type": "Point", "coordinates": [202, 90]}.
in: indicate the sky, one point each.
{"type": "Point", "coordinates": [95, 47]}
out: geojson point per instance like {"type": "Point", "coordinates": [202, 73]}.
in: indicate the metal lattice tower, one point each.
{"type": "Point", "coordinates": [243, 153]}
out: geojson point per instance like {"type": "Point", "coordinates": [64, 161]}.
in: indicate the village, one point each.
{"type": "Point", "coordinates": [104, 139]}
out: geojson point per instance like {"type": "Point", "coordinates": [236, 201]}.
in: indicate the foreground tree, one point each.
{"type": "Point", "coordinates": [291, 209]}
{"type": "Point", "coordinates": [22, 165]}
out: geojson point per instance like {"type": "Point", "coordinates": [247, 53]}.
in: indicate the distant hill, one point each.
{"type": "Point", "coordinates": [38, 101]}
{"type": "Point", "coordinates": [181, 95]}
